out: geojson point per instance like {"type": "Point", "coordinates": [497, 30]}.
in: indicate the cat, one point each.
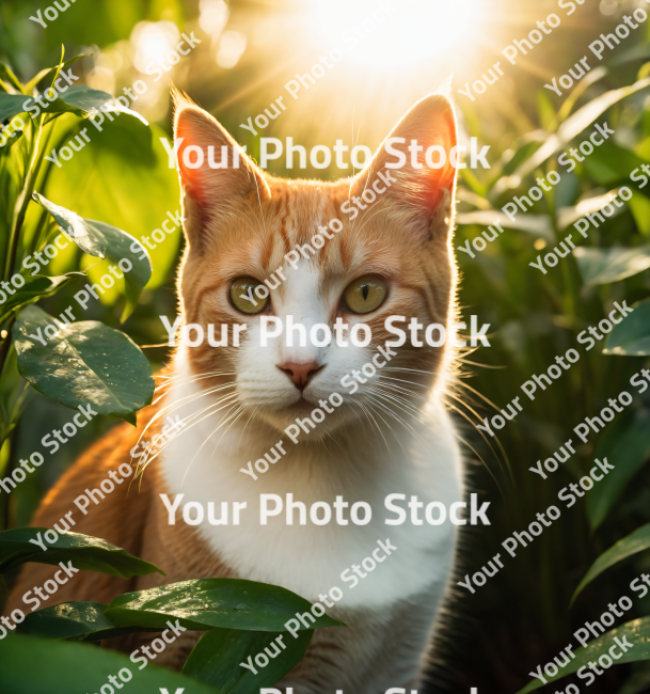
{"type": "Point", "coordinates": [393, 436]}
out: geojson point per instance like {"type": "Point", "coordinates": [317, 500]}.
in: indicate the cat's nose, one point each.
{"type": "Point", "coordinates": [300, 374]}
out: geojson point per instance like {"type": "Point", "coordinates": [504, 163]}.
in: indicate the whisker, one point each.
{"type": "Point", "coordinates": [396, 416]}
{"type": "Point", "coordinates": [237, 410]}
{"type": "Point", "coordinates": [192, 421]}
{"type": "Point", "coordinates": [180, 380]}
{"type": "Point", "coordinates": [378, 405]}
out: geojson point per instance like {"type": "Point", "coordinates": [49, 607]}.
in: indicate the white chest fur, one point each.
{"type": "Point", "coordinates": [203, 464]}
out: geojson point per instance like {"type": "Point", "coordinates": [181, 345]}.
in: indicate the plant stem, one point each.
{"type": "Point", "coordinates": [24, 197]}
{"type": "Point", "coordinates": [6, 344]}
{"type": "Point", "coordinates": [7, 472]}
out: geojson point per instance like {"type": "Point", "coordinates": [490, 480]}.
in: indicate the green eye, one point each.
{"type": "Point", "coordinates": [244, 298]}
{"type": "Point", "coordinates": [365, 294]}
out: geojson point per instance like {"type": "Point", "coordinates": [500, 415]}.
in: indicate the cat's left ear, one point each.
{"type": "Point", "coordinates": [420, 156]}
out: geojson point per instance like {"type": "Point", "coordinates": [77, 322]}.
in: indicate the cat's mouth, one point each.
{"type": "Point", "coordinates": [303, 405]}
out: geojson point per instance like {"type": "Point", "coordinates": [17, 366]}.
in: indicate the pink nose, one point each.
{"type": "Point", "coordinates": [300, 374]}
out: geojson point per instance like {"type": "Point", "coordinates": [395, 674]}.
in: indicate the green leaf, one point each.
{"type": "Point", "coordinates": [639, 206]}
{"type": "Point", "coordinates": [105, 241]}
{"type": "Point", "coordinates": [638, 633]}
{"type": "Point", "coordinates": [132, 157]}
{"type": "Point", "coordinates": [7, 76]}
{"type": "Point", "coordinates": [577, 123]}
{"type": "Point", "coordinates": [84, 363]}
{"type": "Point", "coordinates": [84, 101]}
{"type": "Point", "coordinates": [81, 100]}
{"type": "Point", "coordinates": [37, 287]}
{"type": "Point", "coordinates": [86, 553]}
{"type": "Point", "coordinates": [51, 71]}
{"type": "Point", "coordinates": [638, 541]}
{"type": "Point", "coordinates": [524, 148]}
{"type": "Point", "coordinates": [569, 215]}
{"type": "Point", "coordinates": [547, 115]}
{"type": "Point", "coordinates": [610, 163]}
{"type": "Point", "coordinates": [11, 105]}
{"type": "Point", "coordinates": [606, 265]}
{"type": "Point", "coordinates": [628, 446]}
{"type": "Point", "coordinates": [206, 603]}
{"type": "Point", "coordinates": [10, 135]}
{"type": "Point", "coordinates": [57, 667]}
{"type": "Point", "coordinates": [216, 657]}
{"type": "Point", "coordinates": [535, 224]}
{"type": "Point", "coordinates": [631, 337]}
{"type": "Point", "coordinates": [72, 621]}
{"type": "Point", "coordinates": [590, 78]}
{"type": "Point", "coordinates": [473, 182]}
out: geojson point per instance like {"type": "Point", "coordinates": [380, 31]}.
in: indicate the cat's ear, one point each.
{"type": "Point", "coordinates": [420, 155]}
{"type": "Point", "coordinates": [215, 173]}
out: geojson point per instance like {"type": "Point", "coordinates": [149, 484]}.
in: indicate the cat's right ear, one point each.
{"type": "Point", "coordinates": [215, 173]}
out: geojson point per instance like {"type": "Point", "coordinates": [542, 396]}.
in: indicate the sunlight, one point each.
{"type": "Point", "coordinates": [152, 41]}
{"type": "Point", "coordinates": [397, 33]}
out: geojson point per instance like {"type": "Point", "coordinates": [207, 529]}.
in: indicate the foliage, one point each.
{"type": "Point", "coordinates": [88, 363]}
{"type": "Point", "coordinates": [542, 315]}
{"type": "Point", "coordinates": [76, 346]}
{"type": "Point", "coordinates": [79, 668]}
{"type": "Point", "coordinates": [239, 617]}
{"type": "Point", "coordinates": [523, 616]}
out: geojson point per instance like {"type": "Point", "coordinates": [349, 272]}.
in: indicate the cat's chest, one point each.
{"type": "Point", "coordinates": [280, 536]}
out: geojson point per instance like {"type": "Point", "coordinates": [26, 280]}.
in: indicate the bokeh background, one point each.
{"type": "Point", "coordinates": [249, 50]}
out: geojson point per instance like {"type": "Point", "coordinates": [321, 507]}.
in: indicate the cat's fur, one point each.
{"type": "Point", "coordinates": [242, 222]}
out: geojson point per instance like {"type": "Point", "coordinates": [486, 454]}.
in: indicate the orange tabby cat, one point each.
{"type": "Point", "coordinates": [392, 436]}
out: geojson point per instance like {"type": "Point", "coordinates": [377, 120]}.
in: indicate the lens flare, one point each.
{"type": "Point", "coordinates": [396, 32]}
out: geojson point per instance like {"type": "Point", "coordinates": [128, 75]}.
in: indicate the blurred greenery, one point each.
{"type": "Point", "coordinates": [522, 617]}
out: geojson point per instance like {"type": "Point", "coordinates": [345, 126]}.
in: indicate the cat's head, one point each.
{"type": "Point", "coordinates": [393, 259]}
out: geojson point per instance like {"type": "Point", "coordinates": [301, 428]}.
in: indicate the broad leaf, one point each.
{"type": "Point", "coordinates": [206, 603]}
{"type": "Point", "coordinates": [84, 101]}
{"type": "Point", "coordinates": [631, 337]}
{"type": "Point", "coordinates": [606, 265]}
{"type": "Point", "coordinates": [638, 635]}
{"type": "Point", "coordinates": [627, 446]}
{"type": "Point", "coordinates": [216, 658]}
{"type": "Point", "coordinates": [42, 665]}
{"type": "Point", "coordinates": [84, 363]}
{"type": "Point", "coordinates": [86, 553]}
{"type": "Point", "coordinates": [132, 157]}
{"type": "Point", "coordinates": [105, 241]}
{"type": "Point", "coordinates": [638, 541]}
{"type": "Point", "coordinates": [37, 287]}
{"type": "Point", "coordinates": [73, 621]}
{"type": "Point", "coordinates": [81, 100]}
{"type": "Point", "coordinates": [11, 105]}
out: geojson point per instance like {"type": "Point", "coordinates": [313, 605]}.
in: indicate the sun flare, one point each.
{"type": "Point", "coordinates": [397, 32]}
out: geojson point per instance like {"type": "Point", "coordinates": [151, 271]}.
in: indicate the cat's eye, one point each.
{"type": "Point", "coordinates": [365, 294]}
{"type": "Point", "coordinates": [245, 298]}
